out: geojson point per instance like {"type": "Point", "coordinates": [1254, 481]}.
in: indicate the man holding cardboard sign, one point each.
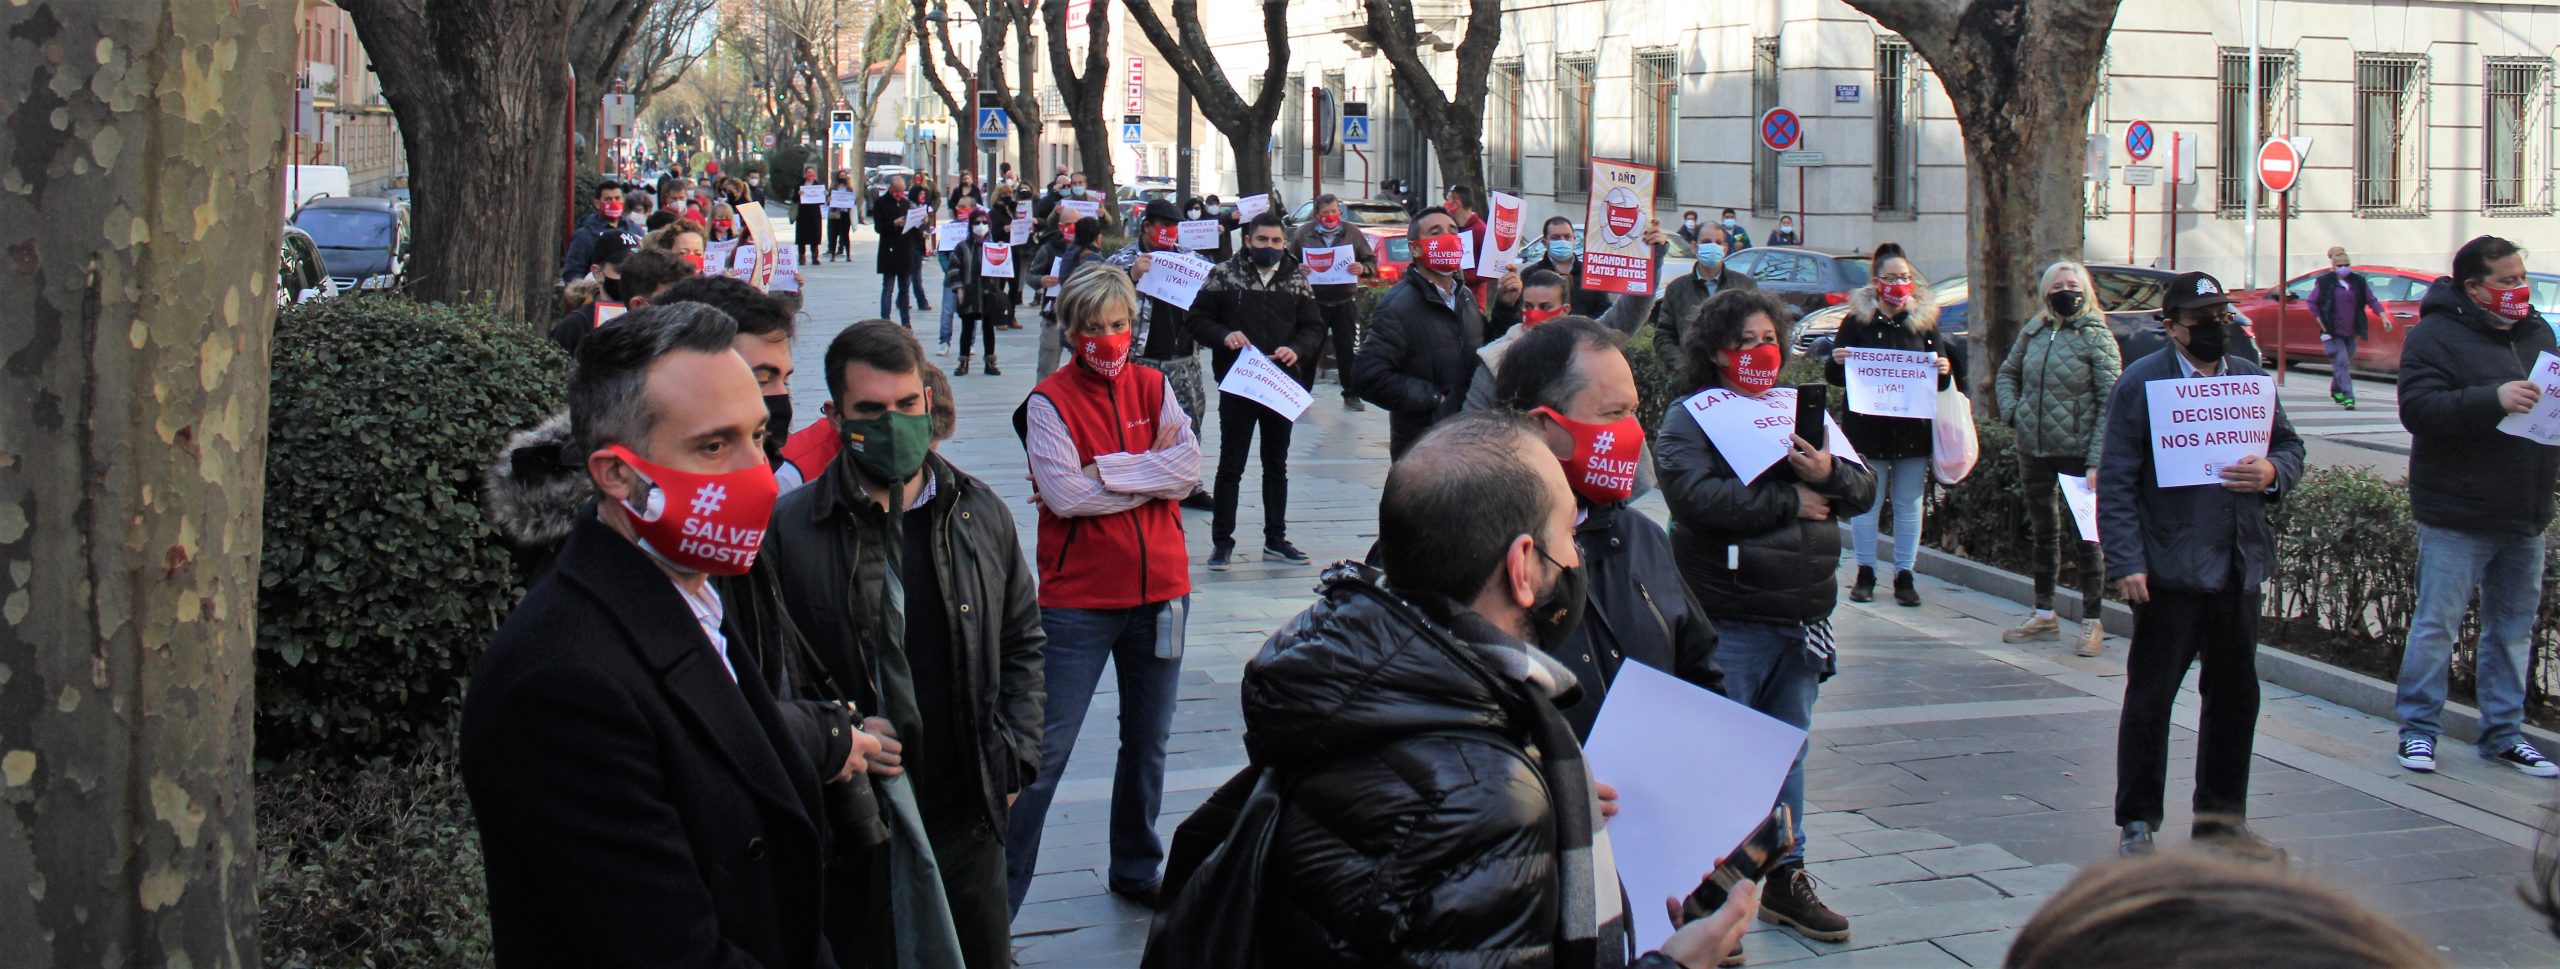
{"type": "Point", "coordinates": [2189, 554]}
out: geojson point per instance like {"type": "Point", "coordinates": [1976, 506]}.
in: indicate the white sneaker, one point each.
{"type": "Point", "coordinates": [2418, 754]}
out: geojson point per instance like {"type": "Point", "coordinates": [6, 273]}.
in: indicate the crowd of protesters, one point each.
{"type": "Point", "coordinates": [802, 696]}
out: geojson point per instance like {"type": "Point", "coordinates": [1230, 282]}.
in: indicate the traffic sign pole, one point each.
{"type": "Point", "coordinates": [2138, 139]}
{"type": "Point", "coordinates": [1781, 130]}
{"type": "Point", "coordinates": [2280, 163]}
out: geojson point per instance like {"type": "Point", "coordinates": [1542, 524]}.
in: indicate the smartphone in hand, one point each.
{"type": "Point", "coordinates": [1813, 404]}
{"type": "Point", "coordinates": [1749, 861]}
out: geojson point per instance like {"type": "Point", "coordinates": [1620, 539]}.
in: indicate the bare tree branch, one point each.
{"type": "Point", "coordinates": [1247, 126]}
{"type": "Point", "coordinates": [1455, 126]}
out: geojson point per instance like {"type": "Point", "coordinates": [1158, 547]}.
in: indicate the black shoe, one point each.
{"type": "Point", "coordinates": [2523, 757]}
{"type": "Point", "coordinates": [1200, 500]}
{"type": "Point", "coordinates": [2234, 839]}
{"type": "Point", "coordinates": [1353, 404]}
{"type": "Point", "coordinates": [1152, 896]}
{"type": "Point", "coordinates": [1222, 556]}
{"type": "Point", "coordinates": [1787, 899]}
{"type": "Point", "coordinates": [1282, 549]}
{"type": "Point", "coordinates": [1906, 589]}
{"type": "Point", "coordinates": [2136, 840]}
{"type": "Point", "coordinates": [1863, 590]}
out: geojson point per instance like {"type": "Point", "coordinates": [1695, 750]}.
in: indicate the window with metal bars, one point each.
{"type": "Point", "coordinates": [1897, 128]}
{"type": "Point", "coordinates": [2517, 174]}
{"type": "Point", "coordinates": [1764, 95]}
{"type": "Point", "coordinates": [2094, 193]}
{"type": "Point", "coordinates": [1293, 126]}
{"type": "Point", "coordinates": [1502, 126]}
{"type": "Point", "coordinates": [2235, 177]}
{"type": "Point", "coordinates": [1658, 119]}
{"type": "Point", "coordinates": [1574, 87]}
{"type": "Point", "coordinates": [2391, 134]}
{"type": "Point", "coordinates": [1333, 159]}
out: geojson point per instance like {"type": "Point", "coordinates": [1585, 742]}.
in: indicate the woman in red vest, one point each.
{"type": "Point", "coordinates": [1111, 456]}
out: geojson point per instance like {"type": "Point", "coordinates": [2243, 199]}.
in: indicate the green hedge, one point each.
{"type": "Point", "coordinates": [381, 579]}
{"type": "Point", "coordinates": [372, 867]}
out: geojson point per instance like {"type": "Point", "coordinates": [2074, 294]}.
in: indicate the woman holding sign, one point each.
{"type": "Point", "coordinates": [2053, 389]}
{"type": "Point", "coordinates": [1887, 357]}
{"type": "Point", "coordinates": [1752, 503]}
{"type": "Point", "coordinates": [981, 299]}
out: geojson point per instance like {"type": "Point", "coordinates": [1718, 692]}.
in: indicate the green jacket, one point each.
{"type": "Point", "coordinates": [2054, 384]}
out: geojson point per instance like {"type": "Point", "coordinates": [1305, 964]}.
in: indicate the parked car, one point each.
{"type": "Point", "coordinates": [878, 180]}
{"type": "Point", "coordinates": [364, 240]}
{"type": "Point", "coordinates": [2296, 329]}
{"type": "Point", "coordinates": [1394, 253]}
{"type": "Point", "coordinates": [1130, 198]}
{"type": "Point", "coordinates": [2129, 295]}
{"type": "Point", "coordinates": [301, 272]}
{"type": "Point", "coordinates": [1363, 213]}
{"type": "Point", "coordinates": [1804, 279]}
{"type": "Point", "coordinates": [2546, 296]}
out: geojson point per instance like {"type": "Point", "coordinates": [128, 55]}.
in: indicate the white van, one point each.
{"type": "Point", "coordinates": [302, 183]}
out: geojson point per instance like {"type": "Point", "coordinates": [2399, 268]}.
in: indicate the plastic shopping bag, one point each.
{"type": "Point", "coordinates": [1954, 448]}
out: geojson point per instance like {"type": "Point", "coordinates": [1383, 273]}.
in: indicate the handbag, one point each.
{"type": "Point", "coordinates": [1953, 445]}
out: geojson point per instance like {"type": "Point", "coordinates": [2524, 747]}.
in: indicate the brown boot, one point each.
{"type": "Point", "coordinates": [1787, 899]}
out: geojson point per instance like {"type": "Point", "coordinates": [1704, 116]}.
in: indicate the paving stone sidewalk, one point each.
{"type": "Point", "coordinates": [1954, 782]}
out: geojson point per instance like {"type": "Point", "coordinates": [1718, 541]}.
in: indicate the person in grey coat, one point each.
{"type": "Point", "coordinates": [2190, 561]}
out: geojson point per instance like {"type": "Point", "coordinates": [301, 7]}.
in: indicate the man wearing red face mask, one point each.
{"type": "Point", "coordinates": [1572, 378]}
{"type": "Point", "coordinates": [1760, 551]}
{"type": "Point", "coordinates": [642, 798]}
{"type": "Point", "coordinates": [1541, 295]}
{"type": "Point", "coordinates": [1337, 301]}
{"type": "Point", "coordinates": [1423, 335]}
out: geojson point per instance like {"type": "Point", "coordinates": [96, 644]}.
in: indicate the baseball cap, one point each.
{"type": "Point", "coordinates": [611, 249]}
{"type": "Point", "coordinates": [2191, 290]}
{"type": "Point", "coordinates": [1163, 210]}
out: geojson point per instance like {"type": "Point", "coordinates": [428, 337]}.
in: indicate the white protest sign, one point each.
{"type": "Point", "coordinates": [1256, 378]}
{"type": "Point", "coordinates": [1252, 205]}
{"type": "Point", "coordinates": [1330, 264]}
{"type": "Point", "coordinates": [2082, 495]}
{"type": "Point", "coordinates": [995, 259]}
{"type": "Point", "coordinates": [1018, 232]}
{"type": "Point", "coordinates": [1501, 236]}
{"type": "Point", "coordinates": [1615, 258]}
{"type": "Point", "coordinates": [1022, 211]}
{"type": "Point", "coordinates": [1892, 383]}
{"type": "Point", "coordinates": [1751, 432]}
{"type": "Point", "coordinates": [607, 312]}
{"type": "Point", "coordinates": [2199, 425]}
{"type": "Point", "coordinates": [845, 199]}
{"type": "Point", "coordinates": [916, 214]}
{"type": "Point", "coordinates": [1681, 805]}
{"type": "Point", "coordinates": [759, 257]}
{"type": "Point", "coordinates": [1083, 208]}
{"type": "Point", "coordinates": [1175, 277]}
{"type": "Point", "coordinates": [949, 236]}
{"type": "Point", "coordinates": [1198, 234]}
{"type": "Point", "coordinates": [1057, 267]}
{"type": "Point", "coordinates": [716, 254]}
{"type": "Point", "coordinates": [813, 194]}
{"type": "Point", "coordinates": [2540, 425]}
{"type": "Point", "coordinates": [786, 271]}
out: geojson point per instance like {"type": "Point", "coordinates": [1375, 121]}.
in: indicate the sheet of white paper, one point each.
{"type": "Point", "coordinates": [916, 214]}
{"type": "Point", "coordinates": [1892, 383]}
{"type": "Point", "coordinates": [1018, 232]}
{"type": "Point", "coordinates": [845, 199]}
{"type": "Point", "coordinates": [2201, 424]}
{"type": "Point", "coordinates": [2082, 495]}
{"type": "Point", "coordinates": [949, 236]}
{"type": "Point", "coordinates": [1175, 277]}
{"type": "Point", "coordinates": [995, 259]}
{"type": "Point", "coordinates": [1197, 234]}
{"type": "Point", "coordinates": [1502, 241]}
{"type": "Point", "coordinates": [716, 254]}
{"type": "Point", "coordinates": [608, 312]}
{"type": "Point", "coordinates": [1252, 205]}
{"type": "Point", "coordinates": [786, 271]}
{"type": "Point", "coordinates": [813, 195]}
{"type": "Point", "coordinates": [2540, 425]}
{"type": "Point", "coordinates": [1083, 208]}
{"type": "Point", "coordinates": [1751, 432]}
{"type": "Point", "coordinates": [1057, 267]}
{"type": "Point", "coordinates": [1330, 264]}
{"type": "Point", "coordinates": [1696, 773]}
{"type": "Point", "coordinates": [1256, 378]}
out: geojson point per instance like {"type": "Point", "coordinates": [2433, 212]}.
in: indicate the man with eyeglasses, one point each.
{"type": "Point", "coordinates": [2190, 560]}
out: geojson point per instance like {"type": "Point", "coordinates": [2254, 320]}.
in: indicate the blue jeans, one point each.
{"type": "Point", "coordinates": [1767, 668]}
{"type": "Point", "coordinates": [950, 305]}
{"type": "Point", "coordinates": [2506, 572]}
{"type": "Point", "coordinates": [1901, 481]}
{"type": "Point", "coordinates": [907, 287]}
{"type": "Point", "coordinates": [1080, 641]}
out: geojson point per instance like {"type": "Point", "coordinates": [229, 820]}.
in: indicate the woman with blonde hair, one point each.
{"type": "Point", "coordinates": [2052, 389]}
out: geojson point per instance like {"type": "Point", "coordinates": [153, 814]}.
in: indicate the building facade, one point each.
{"type": "Point", "coordinates": [343, 119]}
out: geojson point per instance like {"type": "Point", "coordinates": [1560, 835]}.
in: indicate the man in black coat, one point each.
{"type": "Point", "coordinates": [901, 257]}
{"type": "Point", "coordinates": [2482, 498]}
{"type": "Point", "coordinates": [1423, 336]}
{"type": "Point", "coordinates": [950, 653]}
{"type": "Point", "coordinates": [641, 800]}
{"type": "Point", "coordinates": [1257, 302]}
{"type": "Point", "coordinates": [2190, 560]}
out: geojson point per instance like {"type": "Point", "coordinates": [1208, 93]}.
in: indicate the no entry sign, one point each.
{"type": "Point", "coordinates": [1780, 130]}
{"type": "Point", "coordinates": [2279, 165]}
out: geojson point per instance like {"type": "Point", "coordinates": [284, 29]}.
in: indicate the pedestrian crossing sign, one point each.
{"type": "Point", "coordinates": [840, 128]}
{"type": "Point", "coordinates": [1355, 129]}
{"type": "Point", "coordinates": [1132, 133]}
{"type": "Point", "coordinates": [992, 124]}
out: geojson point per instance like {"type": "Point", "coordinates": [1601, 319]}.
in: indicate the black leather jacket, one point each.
{"type": "Point", "coordinates": [829, 555]}
{"type": "Point", "coordinates": [1742, 548]}
{"type": "Point", "coordinates": [1640, 610]}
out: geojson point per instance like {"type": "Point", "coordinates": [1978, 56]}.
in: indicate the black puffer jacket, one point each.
{"type": "Point", "coordinates": [1870, 327]}
{"type": "Point", "coordinates": [1418, 359]}
{"type": "Point", "coordinates": [1788, 564]}
{"type": "Point", "coordinates": [1640, 610]}
{"type": "Point", "coordinates": [1419, 831]}
{"type": "Point", "coordinates": [2463, 472]}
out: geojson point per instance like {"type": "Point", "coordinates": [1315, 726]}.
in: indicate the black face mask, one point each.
{"type": "Point", "coordinates": [1264, 257]}
{"type": "Point", "coordinates": [2065, 303]}
{"type": "Point", "coordinates": [1555, 617]}
{"type": "Point", "coordinates": [614, 289]}
{"type": "Point", "coordinates": [777, 426]}
{"type": "Point", "coordinates": [2208, 341]}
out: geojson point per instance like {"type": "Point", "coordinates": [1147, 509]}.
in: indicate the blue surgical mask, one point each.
{"type": "Point", "coordinates": [1710, 262]}
{"type": "Point", "coordinates": [1563, 250]}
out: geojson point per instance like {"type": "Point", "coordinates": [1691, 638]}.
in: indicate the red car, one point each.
{"type": "Point", "coordinates": [2296, 329]}
{"type": "Point", "coordinates": [1393, 255]}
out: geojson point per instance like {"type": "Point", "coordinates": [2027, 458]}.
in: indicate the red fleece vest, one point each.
{"type": "Point", "coordinates": [1123, 560]}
